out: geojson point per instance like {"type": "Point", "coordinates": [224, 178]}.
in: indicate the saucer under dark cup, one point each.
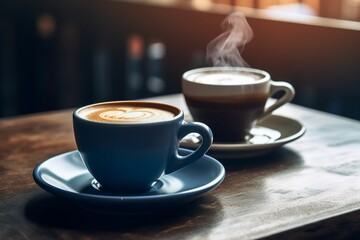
{"type": "Point", "coordinates": [267, 135]}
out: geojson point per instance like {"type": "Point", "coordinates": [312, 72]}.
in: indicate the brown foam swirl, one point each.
{"type": "Point", "coordinates": [130, 114]}
{"type": "Point", "coordinates": [126, 114]}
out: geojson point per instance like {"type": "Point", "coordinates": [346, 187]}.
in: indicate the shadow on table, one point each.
{"type": "Point", "coordinates": [2, 170]}
{"type": "Point", "coordinates": [50, 211]}
{"type": "Point", "coordinates": [278, 160]}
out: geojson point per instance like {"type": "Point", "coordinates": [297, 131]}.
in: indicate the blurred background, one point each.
{"type": "Point", "coordinates": [65, 54]}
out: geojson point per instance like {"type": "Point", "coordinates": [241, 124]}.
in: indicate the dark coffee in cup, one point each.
{"type": "Point", "coordinates": [219, 114]}
{"type": "Point", "coordinates": [231, 99]}
{"type": "Point", "coordinates": [127, 113]}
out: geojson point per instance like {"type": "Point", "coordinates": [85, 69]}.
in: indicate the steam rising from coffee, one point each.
{"type": "Point", "coordinates": [225, 49]}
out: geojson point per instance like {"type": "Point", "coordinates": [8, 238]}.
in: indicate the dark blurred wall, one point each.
{"type": "Point", "coordinates": [64, 54]}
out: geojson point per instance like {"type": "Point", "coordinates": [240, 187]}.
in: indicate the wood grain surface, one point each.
{"type": "Point", "coordinates": [309, 188]}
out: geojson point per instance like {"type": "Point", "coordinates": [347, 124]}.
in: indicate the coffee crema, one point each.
{"type": "Point", "coordinates": [225, 77]}
{"type": "Point", "coordinates": [127, 113]}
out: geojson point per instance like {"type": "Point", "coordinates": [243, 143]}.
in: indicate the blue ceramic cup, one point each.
{"type": "Point", "coordinates": [128, 145]}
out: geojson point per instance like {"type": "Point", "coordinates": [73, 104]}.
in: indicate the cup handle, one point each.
{"type": "Point", "coordinates": [287, 97]}
{"type": "Point", "coordinates": [186, 128]}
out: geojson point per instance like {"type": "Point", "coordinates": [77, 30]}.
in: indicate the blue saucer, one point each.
{"type": "Point", "coordinates": [66, 176]}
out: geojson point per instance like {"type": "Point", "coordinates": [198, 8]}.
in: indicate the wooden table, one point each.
{"type": "Point", "coordinates": [309, 188]}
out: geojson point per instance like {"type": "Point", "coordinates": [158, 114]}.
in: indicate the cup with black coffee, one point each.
{"type": "Point", "coordinates": [230, 100]}
{"type": "Point", "coordinates": [128, 145]}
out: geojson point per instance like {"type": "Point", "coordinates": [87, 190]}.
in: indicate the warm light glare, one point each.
{"type": "Point", "coordinates": [135, 46]}
{"type": "Point", "coordinates": [245, 3]}
{"type": "Point", "coordinates": [339, 9]}
{"type": "Point", "coordinates": [201, 4]}
{"type": "Point", "coordinates": [351, 9]}
{"type": "Point", "coordinates": [46, 25]}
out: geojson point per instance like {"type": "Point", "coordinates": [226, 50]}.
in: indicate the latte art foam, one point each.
{"type": "Point", "coordinates": [225, 78]}
{"type": "Point", "coordinates": [130, 114]}
{"type": "Point", "coordinates": [116, 113]}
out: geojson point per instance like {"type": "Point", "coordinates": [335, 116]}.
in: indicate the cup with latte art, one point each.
{"type": "Point", "coordinates": [128, 145]}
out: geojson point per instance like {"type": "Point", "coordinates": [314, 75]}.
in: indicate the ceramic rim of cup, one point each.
{"type": "Point", "coordinates": [149, 103]}
{"type": "Point", "coordinates": [266, 75]}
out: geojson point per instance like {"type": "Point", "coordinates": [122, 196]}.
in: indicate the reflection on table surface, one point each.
{"type": "Point", "coordinates": [308, 188]}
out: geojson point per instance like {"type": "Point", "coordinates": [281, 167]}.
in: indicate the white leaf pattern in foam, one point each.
{"type": "Point", "coordinates": [121, 115]}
